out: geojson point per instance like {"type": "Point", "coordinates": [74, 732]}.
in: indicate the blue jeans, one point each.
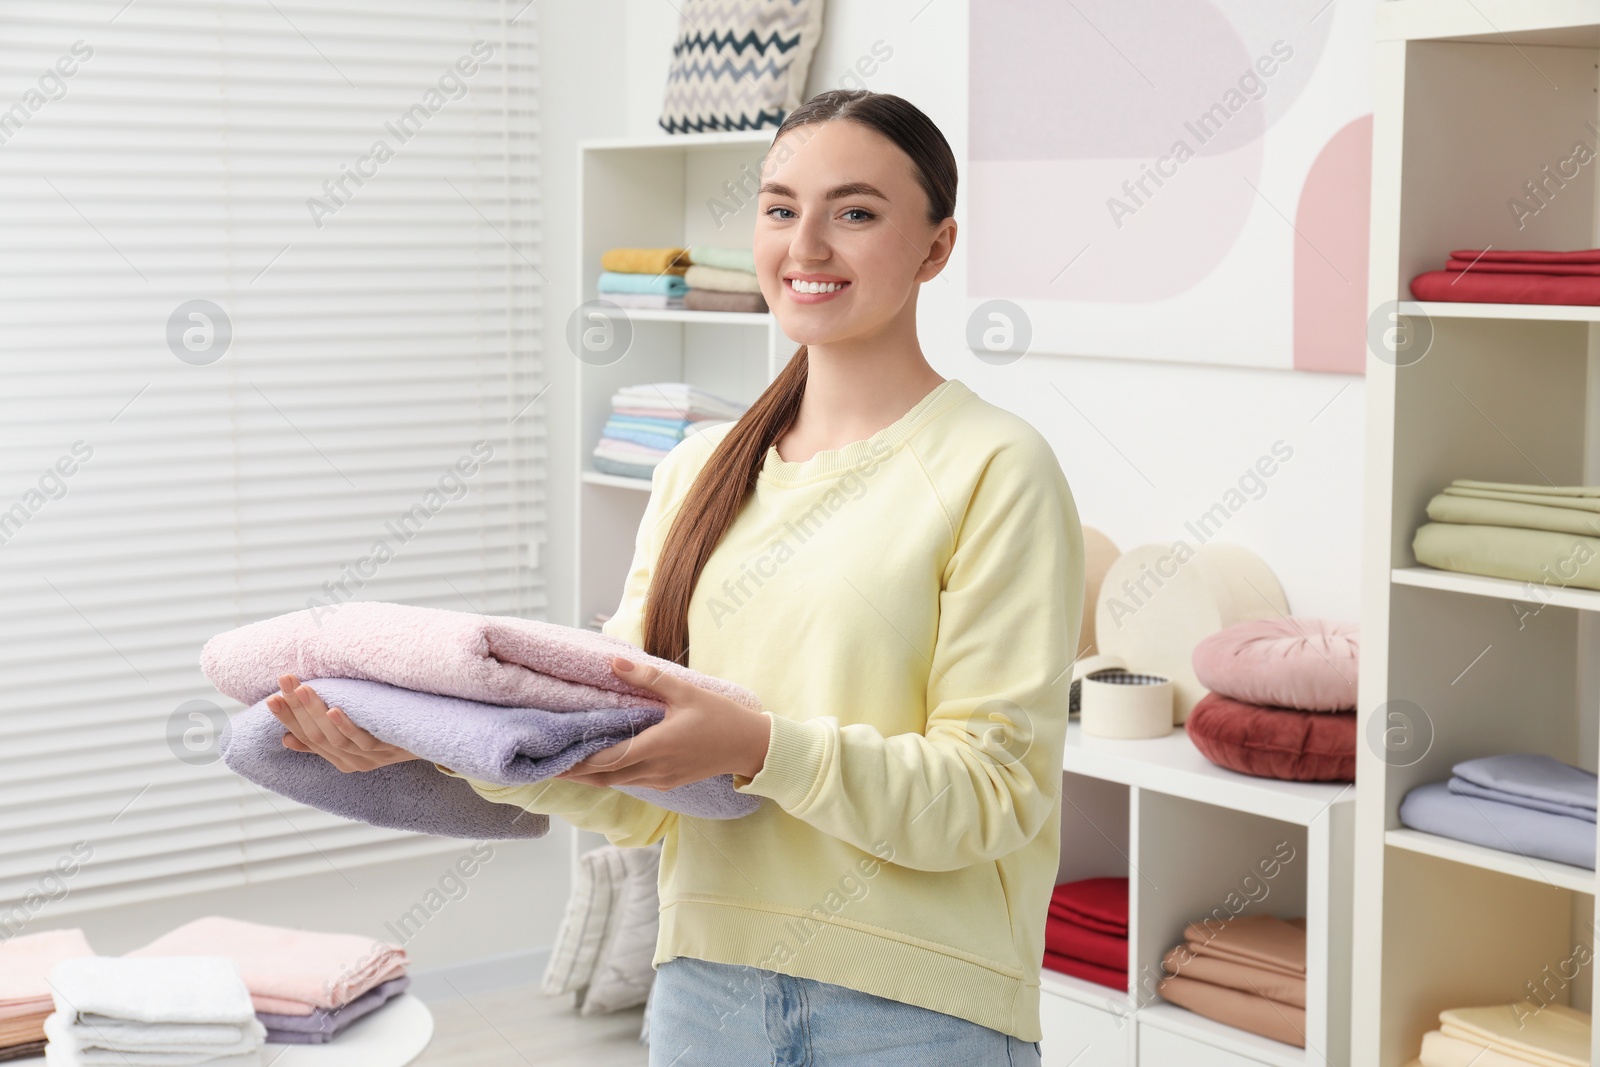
{"type": "Point", "coordinates": [705, 1014]}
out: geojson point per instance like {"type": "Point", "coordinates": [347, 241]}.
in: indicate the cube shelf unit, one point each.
{"type": "Point", "coordinates": [1473, 100]}
{"type": "Point", "coordinates": [658, 192]}
{"type": "Point", "coordinates": [1195, 841]}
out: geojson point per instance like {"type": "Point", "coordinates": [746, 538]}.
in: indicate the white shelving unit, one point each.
{"type": "Point", "coordinates": [1191, 838]}
{"type": "Point", "coordinates": [1473, 100]}
{"type": "Point", "coordinates": [658, 192]}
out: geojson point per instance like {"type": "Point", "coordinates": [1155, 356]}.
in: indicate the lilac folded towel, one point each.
{"type": "Point", "coordinates": [1533, 778]}
{"type": "Point", "coordinates": [324, 1024]}
{"type": "Point", "coordinates": [487, 742]}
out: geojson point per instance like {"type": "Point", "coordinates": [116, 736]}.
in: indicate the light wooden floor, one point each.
{"type": "Point", "coordinates": [519, 1026]}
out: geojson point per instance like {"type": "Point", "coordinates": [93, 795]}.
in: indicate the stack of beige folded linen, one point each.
{"type": "Point", "coordinates": [722, 279]}
{"type": "Point", "coordinates": [25, 998]}
{"type": "Point", "coordinates": [1508, 1035]}
{"type": "Point", "coordinates": [1535, 533]}
{"type": "Point", "coordinates": [1249, 972]}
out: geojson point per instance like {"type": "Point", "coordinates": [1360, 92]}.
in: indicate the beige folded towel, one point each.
{"type": "Point", "coordinates": [1441, 1050]}
{"type": "Point", "coordinates": [1555, 1035]}
{"type": "Point", "coordinates": [1247, 978]}
{"type": "Point", "coordinates": [1258, 1015]}
{"type": "Point", "coordinates": [727, 281]}
{"type": "Point", "coordinates": [1260, 940]}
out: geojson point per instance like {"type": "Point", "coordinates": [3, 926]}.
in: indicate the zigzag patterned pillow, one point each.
{"type": "Point", "coordinates": [739, 64]}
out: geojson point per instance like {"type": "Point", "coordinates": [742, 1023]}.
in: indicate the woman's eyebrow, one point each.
{"type": "Point", "coordinates": [838, 192]}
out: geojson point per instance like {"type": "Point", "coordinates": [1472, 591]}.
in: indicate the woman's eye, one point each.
{"type": "Point", "coordinates": [862, 212]}
{"type": "Point", "coordinates": [770, 210]}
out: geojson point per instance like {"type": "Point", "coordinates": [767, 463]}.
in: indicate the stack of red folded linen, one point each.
{"type": "Point", "coordinates": [1086, 933]}
{"type": "Point", "coordinates": [1514, 277]}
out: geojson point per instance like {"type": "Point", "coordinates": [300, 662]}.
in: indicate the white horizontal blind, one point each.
{"type": "Point", "coordinates": [158, 487]}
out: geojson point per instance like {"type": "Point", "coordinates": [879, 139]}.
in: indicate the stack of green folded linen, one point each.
{"type": "Point", "coordinates": [1533, 533]}
{"type": "Point", "coordinates": [722, 279]}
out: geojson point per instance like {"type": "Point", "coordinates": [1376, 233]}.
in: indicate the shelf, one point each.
{"type": "Point", "coordinates": [1172, 765]}
{"type": "Point", "coordinates": [680, 141]}
{"type": "Point", "coordinates": [1447, 309]}
{"type": "Point", "coordinates": [1522, 22]}
{"type": "Point", "coordinates": [1185, 1023]}
{"type": "Point", "coordinates": [1493, 859]}
{"type": "Point", "coordinates": [1499, 588]}
{"type": "Point", "coordinates": [616, 481]}
{"type": "Point", "coordinates": [1083, 991]}
{"type": "Point", "coordinates": [698, 318]}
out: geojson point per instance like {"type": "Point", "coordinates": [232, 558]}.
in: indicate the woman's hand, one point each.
{"type": "Point", "coordinates": [703, 734]}
{"type": "Point", "coordinates": [314, 727]}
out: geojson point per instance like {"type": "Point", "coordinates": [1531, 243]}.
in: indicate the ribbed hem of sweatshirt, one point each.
{"type": "Point", "coordinates": [806, 946]}
{"type": "Point", "coordinates": [793, 764]}
{"type": "Point", "coordinates": [834, 462]}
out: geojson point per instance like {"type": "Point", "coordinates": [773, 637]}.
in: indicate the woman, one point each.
{"type": "Point", "coordinates": [895, 567]}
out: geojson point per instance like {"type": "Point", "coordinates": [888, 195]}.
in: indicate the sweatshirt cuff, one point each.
{"type": "Point", "coordinates": [793, 764]}
{"type": "Point", "coordinates": [486, 790]}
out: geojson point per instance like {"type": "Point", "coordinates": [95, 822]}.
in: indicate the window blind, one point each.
{"type": "Point", "coordinates": [268, 341]}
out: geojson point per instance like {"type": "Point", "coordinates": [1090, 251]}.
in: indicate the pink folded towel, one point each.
{"type": "Point", "coordinates": [495, 659]}
{"type": "Point", "coordinates": [25, 964]}
{"type": "Point", "coordinates": [288, 971]}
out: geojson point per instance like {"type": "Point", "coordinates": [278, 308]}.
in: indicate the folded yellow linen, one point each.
{"type": "Point", "coordinates": [1566, 503]}
{"type": "Point", "coordinates": [645, 260]}
{"type": "Point", "coordinates": [1554, 560]}
{"type": "Point", "coordinates": [1555, 1034]}
{"type": "Point", "coordinates": [1473, 510]}
{"type": "Point", "coordinates": [726, 281]}
{"type": "Point", "coordinates": [1518, 487]}
{"type": "Point", "coordinates": [1441, 1050]}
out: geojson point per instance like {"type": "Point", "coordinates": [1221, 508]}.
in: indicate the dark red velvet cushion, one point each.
{"type": "Point", "coordinates": [1299, 746]}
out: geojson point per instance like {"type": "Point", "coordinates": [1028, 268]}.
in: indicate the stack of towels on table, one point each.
{"type": "Point", "coordinates": [1549, 534]}
{"type": "Point", "coordinates": [1086, 933]}
{"type": "Point", "coordinates": [648, 420]}
{"type": "Point", "coordinates": [26, 961]}
{"type": "Point", "coordinates": [1508, 1035]}
{"type": "Point", "coordinates": [722, 279]}
{"type": "Point", "coordinates": [1248, 972]}
{"type": "Point", "coordinates": [1534, 805]}
{"type": "Point", "coordinates": [188, 1009]}
{"type": "Point", "coordinates": [644, 277]}
{"type": "Point", "coordinates": [1514, 277]}
{"type": "Point", "coordinates": [305, 987]}
{"type": "Point", "coordinates": [486, 698]}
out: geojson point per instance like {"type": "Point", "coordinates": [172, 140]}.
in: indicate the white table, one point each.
{"type": "Point", "coordinates": [391, 1036]}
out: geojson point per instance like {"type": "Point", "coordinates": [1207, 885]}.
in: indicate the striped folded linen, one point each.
{"type": "Point", "coordinates": [645, 260]}
{"type": "Point", "coordinates": [727, 281]}
{"type": "Point", "coordinates": [686, 400]}
{"type": "Point", "coordinates": [647, 301]}
{"type": "Point", "coordinates": [669, 284]}
{"type": "Point", "coordinates": [743, 259]}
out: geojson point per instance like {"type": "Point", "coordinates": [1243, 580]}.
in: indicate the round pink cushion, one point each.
{"type": "Point", "coordinates": [1300, 663]}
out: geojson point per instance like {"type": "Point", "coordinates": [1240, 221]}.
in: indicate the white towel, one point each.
{"type": "Point", "coordinates": [153, 989]}
{"type": "Point", "coordinates": [76, 1046]}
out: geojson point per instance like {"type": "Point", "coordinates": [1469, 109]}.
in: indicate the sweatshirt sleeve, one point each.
{"type": "Point", "coordinates": [984, 776]}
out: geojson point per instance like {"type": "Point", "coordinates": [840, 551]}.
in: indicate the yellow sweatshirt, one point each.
{"type": "Point", "coordinates": [907, 610]}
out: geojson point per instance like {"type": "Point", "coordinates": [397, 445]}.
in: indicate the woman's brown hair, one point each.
{"type": "Point", "coordinates": [723, 484]}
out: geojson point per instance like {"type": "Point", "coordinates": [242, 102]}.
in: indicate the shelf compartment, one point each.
{"type": "Point", "coordinates": [1519, 22]}
{"type": "Point", "coordinates": [1233, 1046]}
{"type": "Point", "coordinates": [1424, 577]}
{"type": "Point", "coordinates": [616, 481]}
{"type": "Point", "coordinates": [762, 319]}
{"type": "Point", "coordinates": [1446, 309]}
{"type": "Point", "coordinates": [1564, 876]}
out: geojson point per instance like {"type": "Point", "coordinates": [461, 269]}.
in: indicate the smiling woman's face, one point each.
{"type": "Point", "coordinates": [840, 211]}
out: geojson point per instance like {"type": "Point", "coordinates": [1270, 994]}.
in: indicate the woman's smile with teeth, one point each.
{"type": "Point", "coordinates": [815, 287]}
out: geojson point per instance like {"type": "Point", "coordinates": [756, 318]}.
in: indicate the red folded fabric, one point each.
{"type": "Point", "coordinates": [1102, 899]}
{"type": "Point", "coordinates": [1091, 946]}
{"type": "Point", "coordinates": [1514, 255]}
{"type": "Point", "coordinates": [1080, 919]}
{"type": "Point", "coordinates": [1487, 287]}
{"type": "Point", "coordinates": [1502, 267]}
{"type": "Point", "coordinates": [1087, 971]}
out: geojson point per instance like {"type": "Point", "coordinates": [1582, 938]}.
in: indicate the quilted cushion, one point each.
{"type": "Point", "coordinates": [739, 64]}
{"type": "Point", "coordinates": [1298, 746]}
{"type": "Point", "coordinates": [624, 974]}
{"type": "Point", "coordinates": [596, 889]}
{"type": "Point", "coordinates": [1283, 662]}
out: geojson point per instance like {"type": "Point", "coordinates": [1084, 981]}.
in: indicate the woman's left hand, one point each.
{"type": "Point", "coordinates": [702, 735]}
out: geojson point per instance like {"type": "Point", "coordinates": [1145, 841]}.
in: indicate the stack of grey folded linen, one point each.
{"type": "Point", "coordinates": [1534, 805]}
{"type": "Point", "coordinates": [1534, 533]}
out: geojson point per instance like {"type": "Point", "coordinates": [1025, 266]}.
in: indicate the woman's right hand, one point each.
{"type": "Point", "coordinates": [314, 727]}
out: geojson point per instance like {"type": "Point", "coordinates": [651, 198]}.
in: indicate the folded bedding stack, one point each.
{"type": "Point", "coordinates": [643, 277]}
{"type": "Point", "coordinates": [722, 279]}
{"type": "Point", "coordinates": [1549, 534]}
{"type": "Point", "coordinates": [1248, 972]}
{"type": "Point", "coordinates": [484, 698]}
{"type": "Point", "coordinates": [1533, 805]}
{"type": "Point", "coordinates": [189, 1009]}
{"type": "Point", "coordinates": [648, 420]}
{"type": "Point", "coordinates": [1086, 933]}
{"type": "Point", "coordinates": [1514, 277]}
{"type": "Point", "coordinates": [1282, 699]}
{"type": "Point", "coordinates": [1508, 1035]}
{"type": "Point", "coordinates": [305, 987]}
{"type": "Point", "coordinates": [25, 997]}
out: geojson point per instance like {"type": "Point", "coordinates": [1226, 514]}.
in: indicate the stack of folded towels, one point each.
{"type": "Point", "coordinates": [1514, 277]}
{"type": "Point", "coordinates": [644, 277]}
{"type": "Point", "coordinates": [1548, 534]}
{"type": "Point", "coordinates": [190, 1009]}
{"type": "Point", "coordinates": [1508, 1035]}
{"type": "Point", "coordinates": [25, 998]}
{"type": "Point", "coordinates": [1530, 804]}
{"type": "Point", "coordinates": [648, 420]}
{"type": "Point", "coordinates": [1248, 972]}
{"type": "Point", "coordinates": [305, 986]}
{"type": "Point", "coordinates": [1086, 933]}
{"type": "Point", "coordinates": [485, 699]}
{"type": "Point", "coordinates": [722, 279]}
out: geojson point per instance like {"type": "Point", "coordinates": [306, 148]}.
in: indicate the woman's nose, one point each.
{"type": "Point", "coordinates": [810, 243]}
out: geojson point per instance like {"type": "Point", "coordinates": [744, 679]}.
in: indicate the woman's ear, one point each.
{"type": "Point", "coordinates": [944, 243]}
